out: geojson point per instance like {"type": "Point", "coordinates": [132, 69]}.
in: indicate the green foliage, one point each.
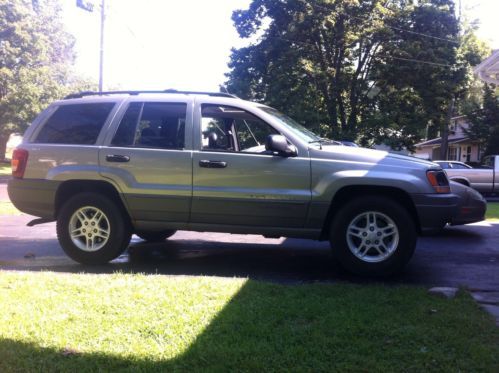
{"type": "Point", "coordinates": [36, 54]}
{"type": "Point", "coordinates": [485, 121]}
{"type": "Point", "coordinates": [359, 70]}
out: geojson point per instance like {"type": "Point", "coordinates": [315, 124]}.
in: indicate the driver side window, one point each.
{"type": "Point", "coordinates": [226, 128]}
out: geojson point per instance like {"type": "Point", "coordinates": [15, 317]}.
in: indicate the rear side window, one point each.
{"type": "Point", "coordinates": [152, 125]}
{"type": "Point", "coordinates": [75, 124]}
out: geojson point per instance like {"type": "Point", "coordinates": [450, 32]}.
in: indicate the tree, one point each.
{"type": "Point", "coordinates": [485, 122]}
{"type": "Point", "coordinates": [35, 58]}
{"type": "Point", "coordinates": [369, 70]}
{"type": "Point", "coordinates": [319, 50]}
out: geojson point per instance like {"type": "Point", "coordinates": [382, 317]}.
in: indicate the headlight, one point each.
{"type": "Point", "coordinates": [438, 181]}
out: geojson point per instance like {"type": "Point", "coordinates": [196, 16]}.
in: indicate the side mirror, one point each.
{"type": "Point", "coordinates": [279, 144]}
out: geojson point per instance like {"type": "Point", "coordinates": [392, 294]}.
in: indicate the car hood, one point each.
{"type": "Point", "coordinates": [370, 156]}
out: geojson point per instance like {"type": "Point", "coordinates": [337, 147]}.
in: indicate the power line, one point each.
{"type": "Point", "coordinates": [124, 23]}
{"type": "Point", "coordinates": [416, 61]}
{"type": "Point", "coordinates": [394, 27]}
{"type": "Point", "coordinates": [383, 56]}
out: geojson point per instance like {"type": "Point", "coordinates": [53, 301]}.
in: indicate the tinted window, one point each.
{"type": "Point", "coordinates": [75, 124]}
{"type": "Point", "coordinates": [459, 166]}
{"type": "Point", "coordinates": [125, 136]}
{"type": "Point", "coordinates": [444, 164]}
{"type": "Point", "coordinates": [152, 125]}
{"type": "Point", "coordinates": [233, 129]}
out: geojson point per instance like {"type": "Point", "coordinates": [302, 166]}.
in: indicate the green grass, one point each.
{"type": "Point", "coordinates": [492, 210]}
{"type": "Point", "coordinates": [5, 169]}
{"type": "Point", "coordinates": [7, 208]}
{"type": "Point", "coordinates": [81, 322]}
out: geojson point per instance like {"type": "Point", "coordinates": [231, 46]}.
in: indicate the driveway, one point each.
{"type": "Point", "coordinates": [461, 256]}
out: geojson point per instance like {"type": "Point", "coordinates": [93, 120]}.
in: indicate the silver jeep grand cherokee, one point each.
{"type": "Point", "coordinates": [112, 164]}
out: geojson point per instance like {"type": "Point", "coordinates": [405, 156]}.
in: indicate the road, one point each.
{"type": "Point", "coordinates": [461, 256]}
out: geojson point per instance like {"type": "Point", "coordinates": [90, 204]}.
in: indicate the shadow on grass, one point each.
{"type": "Point", "coordinates": [269, 327]}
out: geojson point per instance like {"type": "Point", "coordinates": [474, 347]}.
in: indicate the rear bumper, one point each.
{"type": "Point", "coordinates": [33, 196]}
{"type": "Point", "coordinates": [435, 210]}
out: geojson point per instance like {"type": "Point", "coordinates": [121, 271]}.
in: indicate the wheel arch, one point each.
{"type": "Point", "coordinates": [347, 193]}
{"type": "Point", "coordinates": [461, 180]}
{"type": "Point", "coordinates": [69, 188]}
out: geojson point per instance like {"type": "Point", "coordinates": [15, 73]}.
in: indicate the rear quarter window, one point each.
{"type": "Point", "coordinates": [75, 124]}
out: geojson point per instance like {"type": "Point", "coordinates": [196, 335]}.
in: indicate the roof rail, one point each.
{"type": "Point", "coordinates": [133, 93]}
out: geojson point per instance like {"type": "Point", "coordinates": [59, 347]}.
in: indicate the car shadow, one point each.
{"type": "Point", "coordinates": [450, 258]}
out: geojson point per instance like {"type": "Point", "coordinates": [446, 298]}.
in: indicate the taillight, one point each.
{"type": "Point", "coordinates": [18, 163]}
{"type": "Point", "coordinates": [438, 181]}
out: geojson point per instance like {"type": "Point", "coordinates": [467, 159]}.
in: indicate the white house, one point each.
{"type": "Point", "coordinates": [488, 70]}
{"type": "Point", "coordinates": [461, 147]}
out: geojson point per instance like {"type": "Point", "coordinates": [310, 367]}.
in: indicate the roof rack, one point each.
{"type": "Point", "coordinates": [133, 93]}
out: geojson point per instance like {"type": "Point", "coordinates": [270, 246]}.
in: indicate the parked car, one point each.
{"type": "Point", "coordinates": [484, 179]}
{"type": "Point", "coordinates": [454, 165]}
{"type": "Point", "coordinates": [107, 165]}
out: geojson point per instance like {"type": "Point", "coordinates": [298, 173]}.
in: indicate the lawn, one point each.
{"type": "Point", "coordinates": [492, 210]}
{"type": "Point", "coordinates": [125, 322]}
{"type": "Point", "coordinates": [5, 169]}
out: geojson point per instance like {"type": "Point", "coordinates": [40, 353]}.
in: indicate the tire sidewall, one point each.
{"type": "Point", "coordinates": [119, 236]}
{"type": "Point", "coordinates": [405, 225]}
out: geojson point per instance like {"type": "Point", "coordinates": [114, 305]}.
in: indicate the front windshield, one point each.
{"type": "Point", "coordinates": [295, 127]}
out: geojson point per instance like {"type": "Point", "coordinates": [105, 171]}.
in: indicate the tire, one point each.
{"type": "Point", "coordinates": [365, 248]}
{"type": "Point", "coordinates": [151, 236]}
{"type": "Point", "coordinates": [110, 228]}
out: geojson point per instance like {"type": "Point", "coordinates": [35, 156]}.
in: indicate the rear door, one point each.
{"type": "Point", "coordinates": [149, 158]}
{"type": "Point", "coordinates": [236, 182]}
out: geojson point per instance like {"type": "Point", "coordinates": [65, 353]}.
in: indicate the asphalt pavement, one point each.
{"type": "Point", "coordinates": [460, 256]}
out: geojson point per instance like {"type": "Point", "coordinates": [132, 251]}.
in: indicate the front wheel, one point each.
{"type": "Point", "coordinates": [92, 229]}
{"type": "Point", "coordinates": [373, 236]}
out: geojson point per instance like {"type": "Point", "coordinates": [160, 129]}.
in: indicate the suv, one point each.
{"type": "Point", "coordinates": [107, 165]}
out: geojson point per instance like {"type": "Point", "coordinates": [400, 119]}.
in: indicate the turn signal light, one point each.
{"type": "Point", "coordinates": [438, 181]}
{"type": "Point", "coordinates": [18, 163]}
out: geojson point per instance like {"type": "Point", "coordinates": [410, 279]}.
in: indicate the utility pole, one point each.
{"type": "Point", "coordinates": [101, 61]}
{"type": "Point", "coordinates": [89, 7]}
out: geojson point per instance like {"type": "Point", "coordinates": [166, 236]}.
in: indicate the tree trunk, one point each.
{"type": "Point", "coordinates": [3, 146]}
{"type": "Point", "coordinates": [445, 132]}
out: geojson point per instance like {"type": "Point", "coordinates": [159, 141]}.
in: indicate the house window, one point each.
{"type": "Point", "coordinates": [468, 153]}
{"type": "Point", "coordinates": [452, 156]}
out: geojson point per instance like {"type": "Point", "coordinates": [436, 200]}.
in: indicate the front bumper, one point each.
{"type": "Point", "coordinates": [436, 210]}
{"type": "Point", "coordinates": [472, 205]}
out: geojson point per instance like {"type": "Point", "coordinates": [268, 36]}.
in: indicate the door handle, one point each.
{"type": "Point", "coordinates": [117, 158]}
{"type": "Point", "coordinates": [212, 164]}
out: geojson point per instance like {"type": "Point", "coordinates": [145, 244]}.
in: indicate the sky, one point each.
{"type": "Point", "coordinates": [181, 44]}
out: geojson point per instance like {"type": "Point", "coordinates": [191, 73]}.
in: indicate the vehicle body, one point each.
{"type": "Point", "coordinates": [484, 178]}
{"type": "Point", "coordinates": [453, 165]}
{"type": "Point", "coordinates": [472, 205]}
{"type": "Point", "coordinates": [154, 163]}
{"type": "Point", "coordinates": [349, 143]}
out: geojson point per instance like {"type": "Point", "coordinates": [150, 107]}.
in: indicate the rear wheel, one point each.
{"type": "Point", "coordinates": [92, 229]}
{"type": "Point", "coordinates": [373, 236]}
{"type": "Point", "coordinates": [151, 236]}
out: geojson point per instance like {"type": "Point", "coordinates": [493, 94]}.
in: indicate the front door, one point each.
{"type": "Point", "coordinates": [237, 182]}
